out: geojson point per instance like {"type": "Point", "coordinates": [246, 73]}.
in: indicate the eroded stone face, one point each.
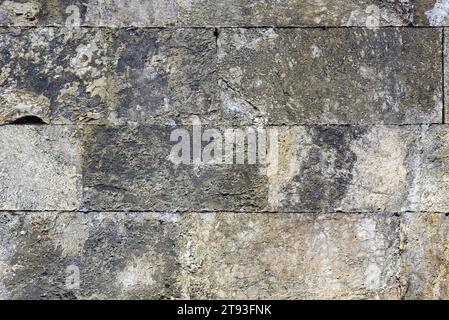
{"type": "Point", "coordinates": [158, 13]}
{"type": "Point", "coordinates": [333, 76]}
{"type": "Point", "coordinates": [107, 76]}
{"type": "Point", "coordinates": [315, 169]}
{"type": "Point", "coordinates": [294, 13]}
{"type": "Point", "coordinates": [129, 168]}
{"type": "Point", "coordinates": [92, 13]}
{"type": "Point", "coordinates": [40, 168]}
{"type": "Point", "coordinates": [425, 255]}
{"type": "Point", "coordinates": [117, 255]}
{"type": "Point", "coordinates": [282, 256]}
{"type": "Point", "coordinates": [264, 76]}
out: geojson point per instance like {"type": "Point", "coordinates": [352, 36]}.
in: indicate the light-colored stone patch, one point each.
{"type": "Point", "coordinates": [70, 233]}
{"type": "Point", "coordinates": [286, 256]}
{"type": "Point", "coordinates": [425, 259]}
{"type": "Point", "coordinates": [290, 140]}
{"type": "Point", "coordinates": [40, 168]}
{"type": "Point", "coordinates": [439, 14]}
{"type": "Point", "coordinates": [380, 173]}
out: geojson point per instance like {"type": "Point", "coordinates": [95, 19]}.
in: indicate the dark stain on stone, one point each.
{"type": "Point", "coordinates": [33, 120]}
{"type": "Point", "coordinates": [323, 181]}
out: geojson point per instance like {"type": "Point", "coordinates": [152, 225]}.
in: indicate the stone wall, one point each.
{"type": "Point", "coordinates": [92, 205]}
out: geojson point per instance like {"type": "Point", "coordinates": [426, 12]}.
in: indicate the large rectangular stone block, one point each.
{"type": "Point", "coordinates": [350, 169]}
{"type": "Point", "coordinates": [332, 76]}
{"type": "Point", "coordinates": [56, 255]}
{"type": "Point", "coordinates": [95, 13]}
{"type": "Point", "coordinates": [129, 168]}
{"type": "Point", "coordinates": [107, 76]}
{"type": "Point", "coordinates": [40, 168]}
{"type": "Point", "coordinates": [160, 13]}
{"type": "Point", "coordinates": [304, 13]}
{"type": "Point", "coordinates": [313, 169]}
{"type": "Point", "coordinates": [282, 256]}
{"type": "Point", "coordinates": [114, 255]}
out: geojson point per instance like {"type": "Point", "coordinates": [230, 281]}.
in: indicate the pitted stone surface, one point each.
{"type": "Point", "coordinates": [426, 257]}
{"type": "Point", "coordinates": [99, 201]}
{"type": "Point", "coordinates": [281, 256]}
{"type": "Point", "coordinates": [318, 169]}
{"type": "Point", "coordinates": [129, 168]}
{"type": "Point", "coordinates": [92, 13]}
{"type": "Point", "coordinates": [40, 168]}
{"type": "Point", "coordinates": [333, 76]}
{"type": "Point", "coordinates": [118, 76]}
{"type": "Point", "coordinates": [56, 255]}
{"type": "Point", "coordinates": [159, 13]}
{"type": "Point", "coordinates": [365, 13]}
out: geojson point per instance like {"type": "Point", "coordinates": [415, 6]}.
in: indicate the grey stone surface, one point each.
{"type": "Point", "coordinates": [40, 168]}
{"type": "Point", "coordinates": [281, 256]}
{"type": "Point", "coordinates": [265, 76]}
{"type": "Point", "coordinates": [129, 168]}
{"type": "Point", "coordinates": [433, 13]}
{"type": "Point", "coordinates": [295, 13]}
{"type": "Point", "coordinates": [317, 169]}
{"type": "Point", "coordinates": [107, 76]}
{"type": "Point", "coordinates": [332, 76]}
{"type": "Point", "coordinates": [379, 168]}
{"type": "Point", "coordinates": [73, 13]}
{"type": "Point", "coordinates": [425, 255]}
{"type": "Point", "coordinates": [115, 255]}
{"type": "Point", "coordinates": [144, 256]}
{"type": "Point", "coordinates": [158, 13]}
{"type": "Point", "coordinates": [352, 204]}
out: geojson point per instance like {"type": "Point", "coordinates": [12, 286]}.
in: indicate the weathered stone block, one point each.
{"type": "Point", "coordinates": [105, 255]}
{"type": "Point", "coordinates": [107, 76]}
{"type": "Point", "coordinates": [129, 168]}
{"type": "Point", "coordinates": [282, 256]}
{"type": "Point", "coordinates": [314, 169]}
{"type": "Point", "coordinates": [332, 76]}
{"type": "Point", "coordinates": [160, 13]}
{"type": "Point", "coordinates": [305, 13]}
{"type": "Point", "coordinates": [425, 256]}
{"type": "Point", "coordinates": [350, 169]}
{"type": "Point", "coordinates": [40, 168]}
{"type": "Point", "coordinates": [95, 13]}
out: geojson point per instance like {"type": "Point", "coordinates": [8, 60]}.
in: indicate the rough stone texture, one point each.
{"type": "Point", "coordinates": [354, 204]}
{"type": "Point", "coordinates": [294, 13]}
{"type": "Point", "coordinates": [319, 169]}
{"type": "Point", "coordinates": [287, 76]}
{"type": "Point", "coordinates": [426, 255]}
{"type": "Point", "coordinates": [106, 76]}
{"type": "Point", "coordinates": [296, 76]}
{"type": "Point", "coordinates": [292, 256]}
{"type": "Point", "coordinates": [224, 13]}
{"type": "Point", "coordinates": [128, 168]}
{"type": "Point", "coordinates": [40, 168]}
{"type": "Point", "coordinates": [145, 255]}
{"type": "Point", "coordinates": [354, 169]}
{"type": "Point", "coordinates": [72, 13]}
{"type": "Point", "coordinates": [157, 13]}
{"type": "Point", "coordinates": [119, 256]}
